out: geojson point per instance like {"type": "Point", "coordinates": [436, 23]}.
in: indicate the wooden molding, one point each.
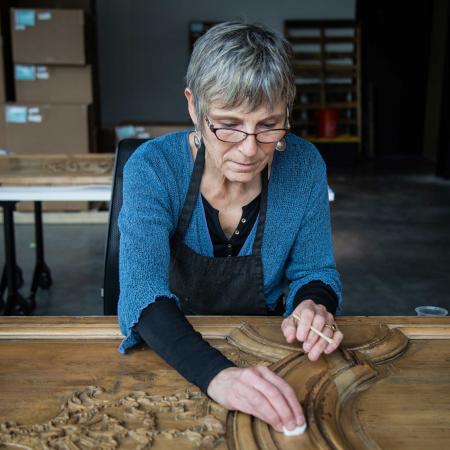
{"type": "Point", "coordinates": [331, 387]}
{"type": "Point", "coordinates": [64, 383]}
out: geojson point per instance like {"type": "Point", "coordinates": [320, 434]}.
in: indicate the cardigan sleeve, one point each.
{"type": "Point", "coordinates": [320, 293]}
{"type": "Point", "coordinates": [167, 332]}
{"type": "Point", "coordinates": [311, 257]}
{"type": "Point", "coordinates": [146, 221]}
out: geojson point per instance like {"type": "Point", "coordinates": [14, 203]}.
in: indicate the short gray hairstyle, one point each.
{"type": "Point", "coordinates": [237, 64]}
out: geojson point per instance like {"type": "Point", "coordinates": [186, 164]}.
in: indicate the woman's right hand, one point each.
{"type": "Point", "coordinates": [260, 392]}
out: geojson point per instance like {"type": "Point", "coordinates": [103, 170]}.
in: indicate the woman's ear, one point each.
{"type": "Point", "coordinates": [191, 108]}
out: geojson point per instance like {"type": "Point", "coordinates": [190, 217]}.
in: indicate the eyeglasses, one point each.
{"type": "Point", "coordinates": [235, 136]}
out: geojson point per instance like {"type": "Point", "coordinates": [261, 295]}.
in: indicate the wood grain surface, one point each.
{"type": "Point", "coordinates": [63, 385]}
{"type": "Point", "coordinates": [50, 170]}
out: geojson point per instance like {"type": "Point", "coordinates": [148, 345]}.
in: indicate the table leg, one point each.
{"type": "Point", "coordinates": [4, 284]}
{"type": "Point", "coordinates": [15, 303]}
{"type": "Point", "coordinates": [42, 275]}
{"type": "Point", "coordinates": [2, 288]}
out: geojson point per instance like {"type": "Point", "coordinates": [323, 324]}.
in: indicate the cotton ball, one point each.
{"type": "Point", "coordinates": [297, 431]}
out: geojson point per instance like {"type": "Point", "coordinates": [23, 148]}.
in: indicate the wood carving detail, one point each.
{"type": "Point", "coordinates": [61, 169]}
{"type": "Point", "coordinates": [73, 166]}
{"type": "Point", "coordinates": [326, 389]}
{"type": "Point", "coordinates": [93, 419]}
{"type": "Point", "coordinates": [329, 388]}
{"type": "Point", "coordinates": [247, 339]}
{"type": "Point", "coordinates": [242, 359]}
{"type": "Point", "coordinates": [385, 345]}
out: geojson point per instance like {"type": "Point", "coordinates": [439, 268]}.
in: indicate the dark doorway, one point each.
{"type": "Point", "coordinates": [395, 64]}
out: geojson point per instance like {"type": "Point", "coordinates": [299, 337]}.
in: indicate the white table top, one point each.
{"type": "Point", "coordinates": [95, 192]}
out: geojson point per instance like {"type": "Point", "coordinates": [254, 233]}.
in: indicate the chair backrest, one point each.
{"type": "Point", "coordinates": [110, 291]}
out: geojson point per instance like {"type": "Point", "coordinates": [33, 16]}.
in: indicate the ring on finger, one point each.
{"type": "Point", "coordinates": [332, 326]}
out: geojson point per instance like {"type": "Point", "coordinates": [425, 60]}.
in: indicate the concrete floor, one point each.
{"type": "Point", "coordinates": [391, 241]}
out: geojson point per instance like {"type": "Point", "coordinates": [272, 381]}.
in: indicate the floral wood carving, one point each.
{"type": "Point", "coordinates": [92, 419]}
{"type": "Point", "coordinates": [72, 166]}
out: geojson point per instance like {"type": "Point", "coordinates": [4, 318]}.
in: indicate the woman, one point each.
{"type": "Point", "coordinates": [214, 221]}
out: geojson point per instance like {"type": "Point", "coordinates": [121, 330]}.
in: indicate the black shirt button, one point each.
{"type": "Point", "coordinates": [243, 220]}
{"type": "Point", "coordinates": [229, 246]}
{"type": "Point", "coordinates": [236, 232]}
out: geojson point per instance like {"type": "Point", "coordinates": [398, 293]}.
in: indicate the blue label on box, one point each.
{"type": "Point", "coordinates": [25, 72]}
{"type": "Point", "coordinates": [16, 114]}
{"type": "Point", "coordinates": [25, 17]}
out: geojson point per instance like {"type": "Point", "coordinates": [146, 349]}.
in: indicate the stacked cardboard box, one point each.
{"type": "Point", "coordinates": [38, 128]}
{"type": "Point", "coordinates": [2, 75]}
{"type": "Point", "coordinates": [3, 94]}
{"type": "Point", "coordinates": [53, 85]}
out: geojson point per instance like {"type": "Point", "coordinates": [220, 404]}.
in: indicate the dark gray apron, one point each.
{"type": "Point", "coordinates": [231, 285]}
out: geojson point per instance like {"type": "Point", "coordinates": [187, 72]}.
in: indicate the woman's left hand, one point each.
{"type": "Point", "coordinates": [316, 315]}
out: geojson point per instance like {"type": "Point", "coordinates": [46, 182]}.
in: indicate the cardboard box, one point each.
{"type": "Point", "coordinates": [48, 36]}
{"type": "Point", "coordinates": [2, 134]}
{"type": "Point", "coordinates": [44, 128]}
{"type": "Point", "coordinates": [147, 131]}
{"type": "Point", "coordinates": [53, 84]}
{"type": "Point", "coordinates": [2, 74]}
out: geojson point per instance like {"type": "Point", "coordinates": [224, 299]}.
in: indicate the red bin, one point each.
{"type": "Point", "coordinates": [327, 120]}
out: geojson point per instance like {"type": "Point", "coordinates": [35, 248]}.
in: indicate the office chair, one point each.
{"type": "Point", "coordinates": [110, 290]}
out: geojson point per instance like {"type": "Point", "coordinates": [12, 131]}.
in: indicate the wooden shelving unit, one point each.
{"type": "Point", "coordinates": [327, 66]}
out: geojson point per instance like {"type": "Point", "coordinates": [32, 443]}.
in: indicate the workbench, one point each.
{"type": "Point", "coordinates": [63, 384]}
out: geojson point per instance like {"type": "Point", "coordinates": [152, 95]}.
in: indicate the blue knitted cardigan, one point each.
{"type": "Point", "coordinates": [297, 243]}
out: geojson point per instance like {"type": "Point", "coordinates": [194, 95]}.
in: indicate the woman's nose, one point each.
{"type": "Point", "coordinates": [249, 146]}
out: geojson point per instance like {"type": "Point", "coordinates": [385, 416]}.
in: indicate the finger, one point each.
{"type": "Point", "coordinates": [318, 323]}
{"type": "Point", "coordinates": [250, 401]}
{"type": "Point", "coordinates": [275, 397]}
{"type": "Point", "coordinates": [289, 328]}
{"type": "Point", "coordinates": [337, 338]}
{"type": "Point", "coordinates": [309, 338]}
{"type": "Point", "coordinates": [320, 345]}
{"type": "Point", "coordinates": [287, 391]}
{"type": "Point", "coordinates": [304, 324]}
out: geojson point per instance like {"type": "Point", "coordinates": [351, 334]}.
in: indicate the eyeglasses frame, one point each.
{"type": "Point", "coordinates": [214, 130]}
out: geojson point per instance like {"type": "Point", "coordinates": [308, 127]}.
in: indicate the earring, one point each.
{"type": "Point", "coordinates": [197, 140]}
{"type": "Point", "coordinates": [281, 145]}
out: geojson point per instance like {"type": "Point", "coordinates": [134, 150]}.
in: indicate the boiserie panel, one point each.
{"type": "Point", "coordinates": [62, 169]}
{"type": "Point", "coordinates": [64, 385]}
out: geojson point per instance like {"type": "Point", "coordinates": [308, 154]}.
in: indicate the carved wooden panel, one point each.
{"type": "Point", "coordinates": [64, 169]}
{"type": "Point", "coordinates": [63, 385]}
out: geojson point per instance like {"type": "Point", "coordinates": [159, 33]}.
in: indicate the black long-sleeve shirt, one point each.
{"type": "Point", "coordinates": [163, 326]}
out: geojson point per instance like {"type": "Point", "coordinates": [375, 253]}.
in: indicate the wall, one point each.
{"type": "Point", "coordinates": [143, 48]}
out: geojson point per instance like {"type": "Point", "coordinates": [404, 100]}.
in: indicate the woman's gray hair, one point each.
{"type": "Point", "coordinates": [238, 64]}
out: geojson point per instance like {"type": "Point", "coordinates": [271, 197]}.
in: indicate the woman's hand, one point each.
{"type": "Point", "coordinates": [316, 315]}
{"type": "Point", "coordinates": [260, 392]}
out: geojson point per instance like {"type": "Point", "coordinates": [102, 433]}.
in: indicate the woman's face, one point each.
{"type": "Point", "coordinates": [241, 161]}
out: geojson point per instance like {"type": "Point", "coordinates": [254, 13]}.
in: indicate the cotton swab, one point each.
{"type": "Point", "coordinates": [329, 340]}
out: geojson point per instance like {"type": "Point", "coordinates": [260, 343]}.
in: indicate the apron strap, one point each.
{"type": "Point", "coordinates": [191, 197]}
{"type": "Point", "coordinates": [257, 244]}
